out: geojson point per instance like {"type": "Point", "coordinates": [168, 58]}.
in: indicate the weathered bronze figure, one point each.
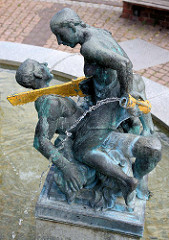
{"type": "Point", "coordinates": [98, 140]}
{"type": "Point", "coordinates": [96, 155]}
{"type": "Point", "coordinates": [110, 72]}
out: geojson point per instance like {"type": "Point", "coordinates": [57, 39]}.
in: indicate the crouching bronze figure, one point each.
{"type": "Point", "coordinates": [105, 146]}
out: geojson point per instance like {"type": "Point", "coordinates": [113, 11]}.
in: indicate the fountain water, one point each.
{"type": "Point", "coordinates": [22, 166]}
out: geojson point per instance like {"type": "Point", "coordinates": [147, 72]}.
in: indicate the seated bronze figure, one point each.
{"type": "Point", "coordinates": [104, 147]}
{"type": "Point", "coordinates": [93, 149]}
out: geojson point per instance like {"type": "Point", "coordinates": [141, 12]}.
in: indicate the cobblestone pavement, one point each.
{"type": "Point", "coordinates": [27, 21]}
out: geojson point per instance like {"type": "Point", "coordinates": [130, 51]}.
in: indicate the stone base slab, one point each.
{"type": "Point", "coordinates": [47, 230]}
{"type": "Point", "coordinates": [52, 206]}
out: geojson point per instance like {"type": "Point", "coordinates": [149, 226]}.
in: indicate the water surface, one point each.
{"type": "Point", "coordinates": [21, 167]}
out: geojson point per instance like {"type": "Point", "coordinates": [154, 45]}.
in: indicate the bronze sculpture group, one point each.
{"type": "Point", "coordinates": [101, 145]}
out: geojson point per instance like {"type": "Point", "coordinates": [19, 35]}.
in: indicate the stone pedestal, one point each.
{"type": "Point", "coordinates": [47, 230]}
{"type": "Point", "coordinates": [58, 220]}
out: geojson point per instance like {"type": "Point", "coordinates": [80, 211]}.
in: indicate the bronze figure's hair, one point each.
{"type": "Point", "coordinates": [25, 73]}
{"type": "Point", "coordinates": [65, 17]}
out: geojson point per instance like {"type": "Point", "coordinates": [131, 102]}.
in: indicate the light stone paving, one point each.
{"type": "Point", "coordinates": [144, 54]}
{"type": "Point", "coordinates": [84, 4]}
{"type": "Point", "coordinates": [158, 95]}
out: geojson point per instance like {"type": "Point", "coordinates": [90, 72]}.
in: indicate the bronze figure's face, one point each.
{"type": "Point", "coordinates": [32, 74]}
{"type": "Point", "coordinates": [67, 36]}
{"type": "Point", "coordinates": [64, 25]}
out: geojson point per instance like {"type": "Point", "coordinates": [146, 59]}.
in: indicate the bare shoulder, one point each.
{"type": "Point", "coordinates": [54, 106]}
{"type": "Point", "coordinates": [47, 100]}
{"type": "Point", "coordinates": [89, 48]}
{"type": "Point", "coordinates": [47, 104]}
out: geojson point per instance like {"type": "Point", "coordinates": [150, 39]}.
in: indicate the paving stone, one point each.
{"type": "Point", "coordinates": [144, 54]}
{"type": "Point", "coordinates": [42, 27]}
{"type": "Point", "coordinates": [154, 73]}
{"type": "Point", "coordinates": [158, 95]}
{"type": "Point", "coordinates": [97, 4]}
